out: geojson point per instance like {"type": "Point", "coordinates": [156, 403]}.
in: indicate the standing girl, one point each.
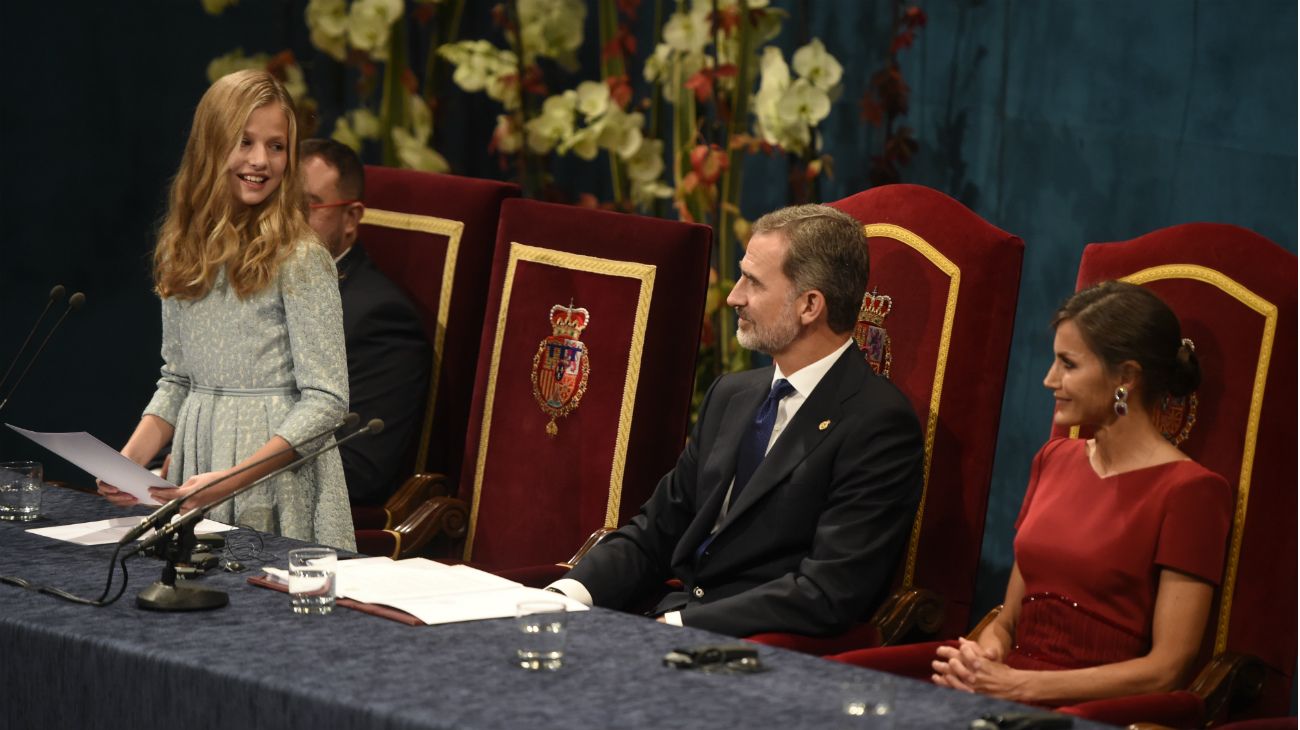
{"type": "Point", "coordinates": [252, 336]}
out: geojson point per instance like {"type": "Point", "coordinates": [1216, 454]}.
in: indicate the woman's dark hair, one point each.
{"type": "Point", "coordinates": [1120, 322]}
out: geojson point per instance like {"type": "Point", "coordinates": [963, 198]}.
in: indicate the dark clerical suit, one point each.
{"type": "Point", "coordinates": [388, 373]}
{"type": "Point", "coordinates": [809, 545]}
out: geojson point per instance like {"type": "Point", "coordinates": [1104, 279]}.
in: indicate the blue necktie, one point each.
{"type": "Point", "coordinates": [754, 445]}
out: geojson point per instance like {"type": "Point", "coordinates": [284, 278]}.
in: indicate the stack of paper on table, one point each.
{"type": "Point", "coordinates": [430, 591]}
{"type": "Point", "coordinates": [107, 532]}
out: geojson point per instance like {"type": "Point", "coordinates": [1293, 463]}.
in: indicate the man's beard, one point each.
{"type": "Point", "coordinates": [768, 339]}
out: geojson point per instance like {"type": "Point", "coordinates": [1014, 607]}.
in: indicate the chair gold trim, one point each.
{"type": "Point", "coordinates": [941, 262]}
{"type": "Point", "coordinates": [453, 230]}
{"type": "Point", "coordinates": [645, 274]}
{"type": "Point", "coordinates": [1268, 311]}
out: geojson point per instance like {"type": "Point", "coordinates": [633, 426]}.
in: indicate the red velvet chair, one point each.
{"type": "Point", "coordinates": [937, 320]}
{"type": "Point", "coordinates": [433, 235]}
{"type": "Point", "coordinates": [1235, 295]}
{"type": "Point", "coordinates": [584, 378]}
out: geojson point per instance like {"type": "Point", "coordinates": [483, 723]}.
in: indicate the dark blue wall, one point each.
{"type": "Point", "coordinates": [1063, 122]}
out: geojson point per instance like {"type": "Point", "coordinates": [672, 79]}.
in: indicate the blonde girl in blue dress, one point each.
{"type": "Point", "coordinates": [252, 328]}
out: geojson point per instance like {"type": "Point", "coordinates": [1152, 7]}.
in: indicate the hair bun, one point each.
{"type": "Point", "coordinates": [1186, 375]}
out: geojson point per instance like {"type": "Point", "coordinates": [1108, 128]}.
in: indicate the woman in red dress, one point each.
{"type": "Point", "coordinates": [1120, 540]}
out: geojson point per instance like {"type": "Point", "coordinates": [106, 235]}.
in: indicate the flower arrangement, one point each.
{"type": "Point", "coordinates": [717, 90]}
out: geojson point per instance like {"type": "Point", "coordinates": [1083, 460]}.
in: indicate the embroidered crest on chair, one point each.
{"type": "Point", "coordinates": [1177, 415]}
{"type": "Point", "coordinates": [561, 365]}
{"type": "Point", "coordinates": [870, 332]}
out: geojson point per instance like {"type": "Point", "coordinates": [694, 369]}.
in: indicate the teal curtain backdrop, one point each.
{"type": "Point", "coordinates": [1064, 122]}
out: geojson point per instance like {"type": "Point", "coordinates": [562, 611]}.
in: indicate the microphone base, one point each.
{"type": "Point", "coordinates": [162, 597]}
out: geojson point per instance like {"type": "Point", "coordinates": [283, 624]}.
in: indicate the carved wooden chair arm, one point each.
{"type": "Point", "coordinates": [905, 612]}
{"type": "Point", "coordinates": [592, 541]}
{"type": "Point", "coordinates": [415, 491]}
{"type": "Point", "coordinates": [1229, 681]}
{"type": "Point", "coordinates": [446, 516]}
{"type": "Point", "coordinates": [974, 633]}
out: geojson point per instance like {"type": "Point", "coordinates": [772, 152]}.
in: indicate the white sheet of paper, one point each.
{"type": "Point", "coordinates": [433, 592]}
{"type": "Point", "coordinates": [478, 605]}
{"type": "Point", "coordinates": [100, 460]}
{"type": "Point", "coordinates": [107, 532]}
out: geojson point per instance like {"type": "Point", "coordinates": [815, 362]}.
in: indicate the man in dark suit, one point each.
{"type": "Point", "coordinates": [388, 355]}
{"type": "Point", "coordinates": [793, 499]}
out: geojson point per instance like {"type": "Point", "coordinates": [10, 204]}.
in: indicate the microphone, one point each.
{"type": "Point", "coordinates": [74, 302]}
{"type": "Point", "coordinates": [55, 295]}
{"type": "Point", "coordinates": [191, 518]}
{"type": "Point", "coordinates": [165, 512]}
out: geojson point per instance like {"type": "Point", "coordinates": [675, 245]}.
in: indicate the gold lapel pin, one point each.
{"type": "Point", "coordinates": [823, 425]}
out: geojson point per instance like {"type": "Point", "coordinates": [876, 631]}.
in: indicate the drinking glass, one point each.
{"type": "Point", "coordinates": [20, 490]}
{"type": "Point", "coordinates": [541, 634]}
{"type": "Point", "coordinates": [311, 580]}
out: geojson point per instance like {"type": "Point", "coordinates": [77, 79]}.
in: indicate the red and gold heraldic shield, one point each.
{"type": "Point", "coordinates": [561, 364]}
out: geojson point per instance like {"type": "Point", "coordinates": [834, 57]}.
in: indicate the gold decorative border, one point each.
{"type": "Point", "coordinates": [453, 230]}
{"type": "Point", "coordinates": [645, 273]}
{"type": "Point", "coordinates": [1269, 311]}
{"type": "Point", "coordinates": [904, 236]}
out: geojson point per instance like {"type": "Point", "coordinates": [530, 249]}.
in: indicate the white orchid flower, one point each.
{"type": "Point", "coordinates": [507, 135]}
{"type": "Point", "coordinates": [554, 124]}
{"type": "Point", "coordinates": [585, 142]}
{"type": "Point", "coordinates": [216, 7]}
{"type": "Point", "coordinates": [344, 133]}
{"type": "Point", "coordinates": [804, 104]}
{"type": "Point", "coordinates": [552, 28]}
{"type": "Point", "coordinates": [365, 123]}
{"type": "Point", "coordinates": [688, 32]}
{"type": "Point", "coordinates": [658, 64]}
{"type": "Point", "coordinates": [622, 132]}
{"type": "Point", "coordinates": [235, 61]}
{"type": "Point", "coordinates": [647, 163]}
{"type": "Point", "coordinates": [593, 99]}
{"type": "Point", "coordinates": [420, 118]}
{"type": "Point", "coordinates": [773, 83]}
{"type": "Point", "coordinates": [413, 154]}
{"type": "Point", "coordinates": [812, 62]}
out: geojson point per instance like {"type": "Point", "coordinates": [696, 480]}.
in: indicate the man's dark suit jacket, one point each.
{"type": "Point", "coordinates": [388, 373]}
{"type": "Point", "coordinates": [809, 545]}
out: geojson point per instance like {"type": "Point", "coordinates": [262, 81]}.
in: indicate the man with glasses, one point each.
{"type": "Point", "coordinates": [388, 355]}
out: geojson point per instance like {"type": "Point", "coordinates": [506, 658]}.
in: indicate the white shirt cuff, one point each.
{"type": "Point", "coordinates": [673, 618]}
{"type": "Point", "coordinates": [575, 590]}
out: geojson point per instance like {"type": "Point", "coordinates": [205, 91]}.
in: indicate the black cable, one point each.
{"type": "Point", "coordinates": [245, 545]}
{"type": "Point", "coordinates": [74, 598]}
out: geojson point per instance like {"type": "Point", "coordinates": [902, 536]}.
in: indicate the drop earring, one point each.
{"type": "Point", "coordinates": [1121, 401]}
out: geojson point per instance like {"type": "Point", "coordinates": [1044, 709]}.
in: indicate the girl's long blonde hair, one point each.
{"type": "Point", "coordinates": [205, 230]}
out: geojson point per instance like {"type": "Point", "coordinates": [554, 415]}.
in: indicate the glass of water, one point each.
{"type": "Point", "coordinates": [311, 580]}
{"type": "Point", "coordinates": [20, 490]}
{"type": "Point", "coordinates": [541, 634]}
{"type": "Point", "coordinates": [868, 704]}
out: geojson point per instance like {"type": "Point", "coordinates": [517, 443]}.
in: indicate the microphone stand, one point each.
{"type": "Point", "coordinates": [74, 303]}
{"type": "Point", "coordinates": [164, 594]}
{"type": "Point", "coordinates": [55, 295]}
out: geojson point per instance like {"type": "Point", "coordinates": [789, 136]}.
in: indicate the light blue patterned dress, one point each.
{"type": "Point", "coordinates": [238, 371]}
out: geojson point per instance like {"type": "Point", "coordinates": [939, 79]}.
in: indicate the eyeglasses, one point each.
{"type": "Point", "coordinates": [319, 206]}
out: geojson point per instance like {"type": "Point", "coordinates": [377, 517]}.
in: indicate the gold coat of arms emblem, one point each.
{"type": "Point", "coordinates": [870, 334]}
{"type": "Point", "coordinates": [561, 364]}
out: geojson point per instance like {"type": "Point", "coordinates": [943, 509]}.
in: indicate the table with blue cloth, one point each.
{"type": "Point", "coordinates": [256, 664]}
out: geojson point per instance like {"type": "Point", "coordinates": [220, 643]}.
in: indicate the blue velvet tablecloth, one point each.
{"type": "Point", "coordinates": [255, 664]}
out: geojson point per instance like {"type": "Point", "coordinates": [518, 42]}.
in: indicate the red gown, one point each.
{"type": "Point", "coordinates": [1090, 550]}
